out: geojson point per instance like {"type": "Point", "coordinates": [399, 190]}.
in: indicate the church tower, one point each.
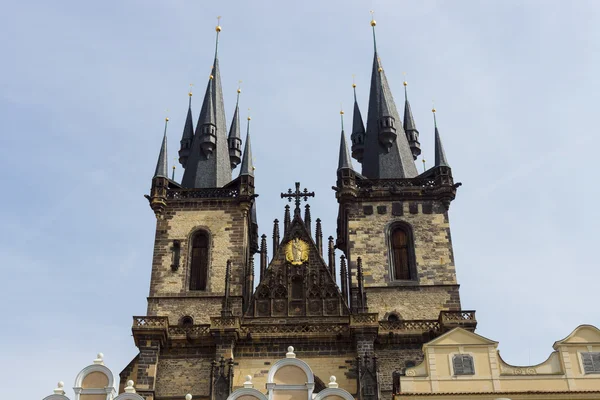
{"type": "Point", "coordinates": [393, 222]}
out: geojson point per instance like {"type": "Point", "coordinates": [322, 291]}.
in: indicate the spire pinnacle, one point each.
{"type": "Point", "coordinates": [344, 160]}
{"type": "Point", "coordinates": [188, 133]}
{"type": "Point", "coordinates": [218, 30]}
{"type": "Point", "coordinates": [190, 94]}
{"type": "Point", "coordinates": [440, 154]}
{"type": "Point", "coordinates": [412, 134]}
{"type": "Point", "coordinates": [373, 25]}
{"type": "Point", "coordinates": [234, 140]}
{"type": "Point", "coordinates": [342, 117]}
{"type": "Point", "coordinates": [162, 169]}
{"type": "Point", "coordinates": [247, 164]}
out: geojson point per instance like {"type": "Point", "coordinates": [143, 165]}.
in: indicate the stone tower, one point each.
{"type": "Point", "coordinates": [206, 325]}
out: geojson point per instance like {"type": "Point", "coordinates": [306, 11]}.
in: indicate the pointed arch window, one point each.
{"type": "Point", "coordinates": [401, 253]}
{"type": "Point", "coordinates": [199, 261]}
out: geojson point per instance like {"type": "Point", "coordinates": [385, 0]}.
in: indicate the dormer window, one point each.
{"type": "Point", "coordinates": [462, 364]}
{"type": "Point", "coordinates": [591, 362]}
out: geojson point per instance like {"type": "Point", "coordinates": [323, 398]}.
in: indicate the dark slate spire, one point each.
{"type": "Point", "coordinates": [344, 160]}
{"type": "Point", "coordinates": [247, 166]}
{"type": "Point", "coordinates": [331, 255]}
{"type": "Point", "coordinates": [188, 135]}
{"type": "Point", "coordinates": [412, 134]}
{"type": "Point", "coordinates": [234, 140]}
{"type": "Point", "coordinates": [263, 256]}
{"type": "Point", "coordinates": [440, 155]}
{"type": "Point", "coordinates": [344, 278]}
{"type": "Point", "coordinates": [208, 164]}
{"type": "Point", "coordinates": [162, 169]}
{"type": "Point", "coordinates": [358, 131]}
{"type": "Point", "coordinates": [226, 305]}
{"type": "Point", "coordinates": [287, 220]}
{"type": "Point", "coordinates": [307, 218]}
{"type": "Point", "coordinates": [385, 158]}
{"type": "Point", "coordinates": [361, 307]}
{"type": "Point", "coordinates": [319, 236]}
{"type": "Point", "coordinates": [276, 238]}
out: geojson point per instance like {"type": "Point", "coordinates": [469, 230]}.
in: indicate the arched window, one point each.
{"type": "Point", "coordinates": [401, 253]}
{"type": "Point", "coordinates": [199, 261]}
{"type": "Point", "coordinates": [186, 321]}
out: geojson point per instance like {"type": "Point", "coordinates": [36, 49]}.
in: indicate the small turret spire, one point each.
{"type": "Point", "coordinates": [319, 236]}
{"type": "Point", "coordinates": [440, 154]}
{"type": "Point", "coordinates": [276, 238]}
{"type": "Point", "coordinates": [358, 130]}
{"type": "Point", "coordinates": [344, 278]}
{"type": "Point", "coordinates": [234, 140]}
{"type": "Point", "coordinates": [247, 164]}
{"type": "Point", "coordinates": [263, 256]}
{"type": "Point", "coordinates": [344, 159]}
{"type": "Point", "coordinates": [412, 134]}
{"type": "Point", "coordinates": [162, 168]}
{"type": "Point", "coordinates": [331, 255]}
{"type": "Point", "coordinates": [188, 133]}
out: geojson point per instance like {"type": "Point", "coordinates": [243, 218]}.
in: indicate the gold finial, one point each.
{"type": "Point", "coordinates": [353, 83]}
{"type": "Point", "coordinates": [433, 106]}
{"type": "Point", "coordinates": [373, 22]}
{"type": "Point", "coordinates": [249, 118]}
{"type": "Point", "coordinates": [404, 83]}
{"type": "Point", "coordinates": [190, 92]}
{"type": "Point", "coordinates": [239, 89]}
{"type": "Point", "coordinates": [167, 118]}
{"type": "Point", "coordinates": [218, 27]}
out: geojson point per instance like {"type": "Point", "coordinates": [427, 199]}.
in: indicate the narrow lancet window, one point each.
{"type": "Point", "coordinates": [401, 253]}
{"type": "Point", "coordinates": [199, 261]}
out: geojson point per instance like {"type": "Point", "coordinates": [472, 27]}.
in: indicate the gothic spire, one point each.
{"type": "Point", "coordinates": [276, 238]}
{"type": "Point", "coordinates": [412, 134]}
{"type": "Point", "coordinates": [387, 153]}
{"type": "Point", "coordinates": [188, 135]}
{"type": "Point", "coordinates": [162, 169]}
{"type": "Point", "coordinates": [440, 155]}
{"type": "Point", "coordinates": [247, 165]}
{"type": "Point", "coordinates": [234, 140]}
{"type": "Point", "coordinates": [344, 160]}
{"type": "Point", "coordinates": [208, 164]}
{"type": "Point", "coordinates": [358, 131]}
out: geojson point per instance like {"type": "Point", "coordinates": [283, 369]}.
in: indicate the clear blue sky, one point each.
{"type": "Point", "coordinates": [84, 89]}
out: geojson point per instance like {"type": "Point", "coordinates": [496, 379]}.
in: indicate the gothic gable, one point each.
{"type": "Point", "coordinates": [297, 282]}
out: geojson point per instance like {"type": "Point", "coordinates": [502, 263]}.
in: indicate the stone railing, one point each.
{"type": "Point", "coordinates": [224, 322]}
{"type": "Point", "coordinates": [191, 330]}
{"type": "Point", "coordinates": [364, 319]}
{"type": "Point", "coordinates": [315, 329]}
{"type": "Point", "coordinates": [394, 184]}
{"type": "Point", "coordinates": [150, 322]}
{"type": "Point", "coordinates": [410, 326]}
{"type": "Point", "coordinates": [462, 318]}
{"type": "Point", "coordinates": [206, 193]}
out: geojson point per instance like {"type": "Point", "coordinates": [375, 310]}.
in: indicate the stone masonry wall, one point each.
{"type": "Point", "coordinates": [413, 302]}
{"type": "Point", "coordinates": [226, 223]}
{"type": "Point", "coordinates": [368, 224]}
{"type": "Point", "coordinates": [200, 308]}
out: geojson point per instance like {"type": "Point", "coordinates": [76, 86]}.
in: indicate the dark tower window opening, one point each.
{"type": "Point", "coordinates": [393, 318]}
{"type": "Point", "coordinates": [186, 321]}
{"type": "Point", "coordinates": [401, 253]}
{"type": "Point", "coordinates": [199, 261]}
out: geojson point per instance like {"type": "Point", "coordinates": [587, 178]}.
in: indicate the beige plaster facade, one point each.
{"type": "Point", "coordinates": [561, 376]}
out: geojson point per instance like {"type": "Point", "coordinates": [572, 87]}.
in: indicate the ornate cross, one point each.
{"type": "Point", "coordinates": [297, 195]}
